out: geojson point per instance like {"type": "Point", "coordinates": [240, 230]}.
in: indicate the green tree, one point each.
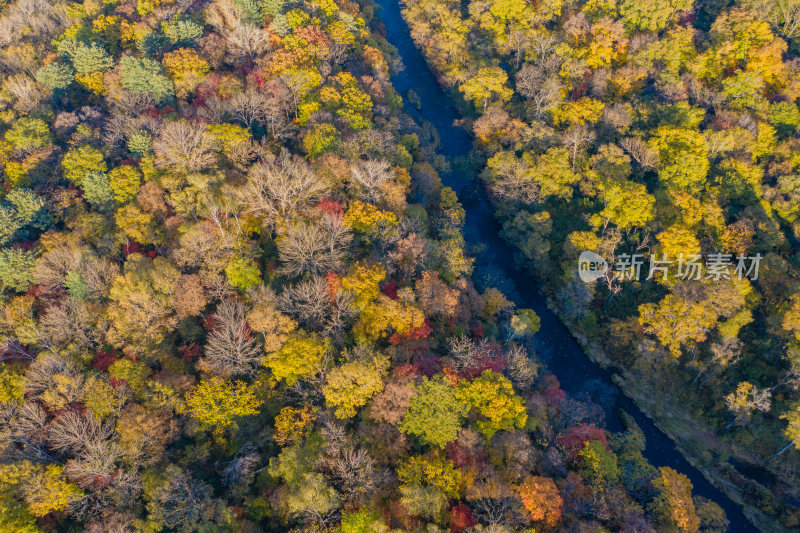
{"type": "Point", "coordinates": [683, 157]}
{"type": "Point", "coordinates": [29, 134]}
{"type": "Point", "coordinates": [78, 162]}
{"type": "Point", "coordinates": [16, 268]}
{"type": "Point", "coordinates": [145, 76]}
{"type": "Point", "coordinates": [97, 190]}
{"type": "Point", "coordinates": [435, 413]}
{"type": "Point", "coordinates": [55, 76]}
{"type": "Point", "coordinates": [492, 396]}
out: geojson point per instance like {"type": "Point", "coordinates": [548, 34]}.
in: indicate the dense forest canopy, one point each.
{"type": "Point", "coordinates": [235, 295]}
{"type": "Point", "coordinates": [657, 128]}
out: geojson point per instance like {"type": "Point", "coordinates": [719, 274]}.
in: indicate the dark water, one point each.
{"type": "Point", "coordinates": [578, 375]}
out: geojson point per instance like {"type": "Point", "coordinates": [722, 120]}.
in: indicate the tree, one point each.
{"type": "Point", "coordinates": [350, 385]}
{"type": "Point", "coordinates": [435, 414]}
{"type": "Point", "coordinates": [78, 162]}
{"type": "Point", "coordinates": [488, 84]}
{"type": "Point", "coordinates": [16, 268]}
{"type": "Point", "coordinates": [140, 311]}
{"type": "Point", "coordinates": [124, 181]}
{"type": "Point", "coordinates": [627, 204]}
{"type": "Point", "coordinates": [315, 248]}
{"type": "Point", "coordinates": [673, 505]}
{"type": "Point", "coordinates": [492, 396]}
{"type": "Point", "coordinates": [746, 399]}
{"type": "Point", "coordinates": [432, 471]}
{"type": "Point", "coordinates": [88, 58]}
{"type": "Point", "coordinates": [186, 69]}
{"type": "Point", "coordinates": [217, 403]}
{"type": "Point", "coordinates": [651, 15]}
{"type": "Point", "coordinates": [683, 156]}
{"type": "Point", "coordinates": [55, 76]}
{"type": "Point", "coordinates": [28, 134]}
{"type": "Point", "coordinates": [145, 76]}
{"type": "Point", "coordinates": [184, 504]}
{"type": "Point", "coordinates": [542, 500]}
{"type": "Point", "coordinates": [231, 351]}
{"type": "Point", "coordinates": [676, 322]}
{"type": "Point", "coordinates": [301, 357]}
{"type": "Point", "coordinates": [184, 147]}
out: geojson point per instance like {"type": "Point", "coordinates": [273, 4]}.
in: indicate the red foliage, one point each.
{"type": "Point", "coordinates": [334, 282]}
{"type": "Point", "coordinates": [330, 206]}
{"type": "Point", "coordinates": [477, 330]}
{"type": "Point", "coordinates": [210, 321]}
{"type": "Point", "coordinates": [151, 254]}
{"type": "Point", "coordinates": [428, 365]}
{"type": "Point", "coordinates": [576, 437]}
{"type": "Point", "coordinates": [103, 360]}
{"type": "Point", "coordinates": [129, 248]}
{"type": "Point", "coordinates": [496, 363]}
{"type": "Point", "coordinates": [390, 290]}
{"type": "Point", "coordinates": [34, 290]}
{"type": "Point", "coordinates": [461, 518]}
{"type": "Point", "coordinates": [190, 351]}
{"type": "Point", "coordinates": [403, 370]}
{"type": "Point", "coordinates": [421, 332]}
{"type": "Point", "coordinates": [554, 396]}
{"type": "Point", "coordinates": [166, 110]}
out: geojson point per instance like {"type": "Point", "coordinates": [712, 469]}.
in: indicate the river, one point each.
{"type": "Point", "coordinates": [578, 375]}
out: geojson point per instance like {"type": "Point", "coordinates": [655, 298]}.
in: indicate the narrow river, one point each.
{"type": "Point", "coordinates": [578, 375]}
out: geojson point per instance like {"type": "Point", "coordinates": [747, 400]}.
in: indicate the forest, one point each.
{"type": "Point", "coordinates": [235, 295]}
{"type": "Point", "coordinates": [663, 129]}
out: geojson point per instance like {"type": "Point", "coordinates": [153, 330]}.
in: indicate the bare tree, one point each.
{"type": "Point", "coordinates": [280, 188]}
{"type": "Point", "coordinates": [230, 349]}
{"type": "Point", "coordinates": [540, 87]}
{"type": "Point", "coordinates": [575, 139]}
{"type": "Point", "coordinates": [315, 248]}
{"type": "Point", "coordinates": [368, 176]}
{"type": "Point", "coordinates": [241, 37]}
{"type": "Point", "coordinates": [73, 432]}
{"type": "Point", "coordinates": [184, 147]}
{"type": "Point", "coordinates": [312, 303]}
{"type": "Point", "coordinates": [640, 152]}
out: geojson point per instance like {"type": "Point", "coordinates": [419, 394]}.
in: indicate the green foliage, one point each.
{"type": "Point", "coordinates": [55, 76]}
{"type": "Point", "coordinates": [145, 76]}
{"type": "Point", "coordinates": [16, 266]}
{"type": "Point", "coordinates": [435, 413]}
{"type": "Point", "coordinates": [181, 30]}
{"type": "Point", "coordinates": [320, 139]}
{"type": "Point", "coordinates": [97, 189]}
{"type": "Point", "coordinates": [492, 397]}
{"type": "Point", "coordinates": [90, 58]}
{"type": "Point", "coordinates": [434, 471]}
{"type": "Point", "coordinates": [80, 161]}
{"type": "Point", "coordinates": [243, 272]}
{"type": "Point", "coordinates": [29, 134]}
{"type": "Point", "coordinates": [140, 143]}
